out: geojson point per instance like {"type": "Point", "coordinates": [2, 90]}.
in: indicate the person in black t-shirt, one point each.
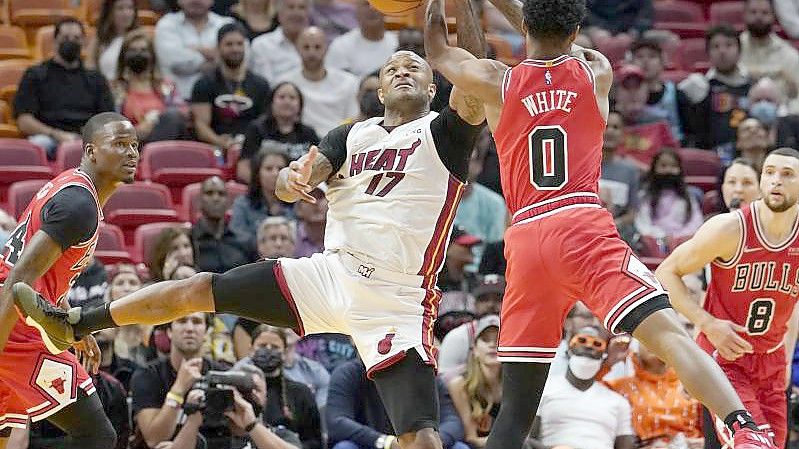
{"type": "Point", "coordinates": [227, 99]}
{"type": "Point", "coordinates": [280, 129]}
{"type": "Point", "coordinates": [56, 97]}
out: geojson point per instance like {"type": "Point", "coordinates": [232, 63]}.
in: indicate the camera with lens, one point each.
{"type": "Point", "coordinates": [218, 387]}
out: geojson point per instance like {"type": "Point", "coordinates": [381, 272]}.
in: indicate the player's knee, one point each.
{"type": "Point", "coordinates": [422, 439]}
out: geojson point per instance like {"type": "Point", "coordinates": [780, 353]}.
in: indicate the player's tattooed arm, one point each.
{"type": "Point", "coordinates": [41, 252]}
{"type": "Point", "coordinates": [512, 10]}
{"type": "Point", "coordinates": [469, 107]}
{"type": "Point", "coordinates": [472, 39]}
{"type": "Point", "coordinates": [296, 181]}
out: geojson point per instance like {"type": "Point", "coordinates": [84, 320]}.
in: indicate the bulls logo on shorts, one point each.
{"type": "Point", "coordinates": [56, 379]}
{"type": "Point", "coordinates": [636, 268]}
{"type": "Point", "coordinates": [384, 345]}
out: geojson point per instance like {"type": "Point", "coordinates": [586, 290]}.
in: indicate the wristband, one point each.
{"type": "Point", "coordinates": [248, 428]}
{"type": "Point", "coordinates": [175, 397]}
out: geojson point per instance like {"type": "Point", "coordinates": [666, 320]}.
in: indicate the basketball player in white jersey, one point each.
{"type": "Point", "coordinates": [394, 183]}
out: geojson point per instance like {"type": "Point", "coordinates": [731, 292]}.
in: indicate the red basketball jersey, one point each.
{"type": "Point", "coordinates": [759, 286]}
{"type": "Point", "coordinates": [549, 135]}
{"type": "Point", "coordinates": [55, 283]}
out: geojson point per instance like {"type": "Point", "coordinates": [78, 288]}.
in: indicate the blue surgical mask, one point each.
{"type": "Point", "coordinates": [765, 111]}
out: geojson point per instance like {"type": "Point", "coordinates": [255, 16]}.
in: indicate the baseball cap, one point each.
{"type": "Point", "coordinates": [491, 283]}
{"type": "Point", "coordinates": [628, 72]}
{"type": "Point", "coordinates": [485, 323]}
{"type": "Point", "coordinates": [461, 237]}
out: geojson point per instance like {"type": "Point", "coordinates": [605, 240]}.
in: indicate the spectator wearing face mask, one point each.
{"type": "Point", "coordinates": [767, 103]}
{"type": "Point", "coordinates": [668, 207]}
{"type": "Point", "coordinates": [576, 411]}
{"type": "Point", "coordinates": [368, 104]}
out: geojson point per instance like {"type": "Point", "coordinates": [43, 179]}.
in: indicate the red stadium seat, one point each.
{"type": "Point", "coordinates": [231, 160]}
{"type": "Point", "coordinates": [178, 163]}
{"type": "Point", "coordinates": [111, 245]}
{"type": "Point", "coordinates": [615, 48]}
{"type": "Point", "coordinates": [692, 52]}
{"type": "Point", "coordinates": [711, 203]}
{"type": "Point", "coordinates": [686, 30]}
{"type": "Point", "coordinates": [21, 193]}
{"type": "Point", "coordinates": [727, 12]}
{"type": "Point", "coordinates": [651, 247]}
{"type": "Point", "coordinates": [678, 11]}
{"type": "Point", "coordinates": [68, 155]}
{"type": "Point", "coordinates": [702, 167]}
{"type": "Point", "coordinates": [144, 239]}
{"type": "Point", "coordinates": [190, 204]}
{"type": "Point", "coordinates": [133, 205]}
{"type": "Point", "coordinates": [20, 160]}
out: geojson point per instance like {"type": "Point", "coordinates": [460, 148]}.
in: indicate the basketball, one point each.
{"type": "Point", "coordinates": [395, 7]}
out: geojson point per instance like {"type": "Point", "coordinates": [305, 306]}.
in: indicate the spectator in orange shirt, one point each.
{"type": "Point", "coordinates": [661, 408]}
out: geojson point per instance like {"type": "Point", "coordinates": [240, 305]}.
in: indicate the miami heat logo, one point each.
{"type": "Point", "coordinates": [384, 345]}
{"type": "Point", "coordinates": [57, 384]}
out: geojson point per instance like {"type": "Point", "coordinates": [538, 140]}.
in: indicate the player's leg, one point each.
{"type": "Point", "coordinates": [85, 423]}
{"type": "Point", "coordinates": [408, 391]}
{"type": "Point", "coordinates": [253, 291]}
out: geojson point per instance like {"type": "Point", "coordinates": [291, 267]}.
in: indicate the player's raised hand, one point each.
{"type": "Point", "coordinates": [724, 335]}
{"type": "Point", "coordinates": [88, 352]}
{"type": "Point", "coordinates": [300, 174]}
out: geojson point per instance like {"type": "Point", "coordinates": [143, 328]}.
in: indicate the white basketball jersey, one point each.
{"type": "Point", "coordinates": [393, 201]}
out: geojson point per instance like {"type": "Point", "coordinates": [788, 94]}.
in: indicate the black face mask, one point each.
{"type": "Point", "coordinates": [669, 181]}
{"type": "Point", "coordinates": [137, 62]}
{"type": "Point", "coordinates": [759, 30]}
{"type": "Point", "coordinates": [267, 359]}
{"type": "Point", "coordinates": [69, 51]}
{"type": "Point", "coordinates": [370, 105]}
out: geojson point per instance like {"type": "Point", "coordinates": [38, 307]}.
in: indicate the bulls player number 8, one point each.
{"type": "Point", "coordinates": [761, 311]}
{"type": "Point", "coordinates": [548, 157]}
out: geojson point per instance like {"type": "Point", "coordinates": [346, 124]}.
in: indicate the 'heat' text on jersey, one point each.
{"type": "Point", "coordinates": [766, 276]}
{"type": "Point", "coordinates": [550, 100]}
{"type": "Point", "coordinates": [386, 159]}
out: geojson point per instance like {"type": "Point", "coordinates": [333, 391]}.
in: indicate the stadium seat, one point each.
{"type": "Point", "coordinates": [11, 71]}
{"type": "Point", "coordinates": [702, 167]}
{"type": "Point", "coordinates": [133, 205]}
{"type": "Point", "coordinates": [232, 157]}
{"type": "Point", "coordinates": [91, 9]}
{"type": "Point", "coordinates": [189, 209]}
{"type": "Point", "coordinates": [727, 12]}
{"type": "Point", "coordinates": [13, 43]}
{"type": "Point", "coordinates": [685, 30]}
{"type": "Point", "coordinates": [678, 11]}
{"type": "Point", "coordinates": [20, 160]}
{"type": "Point", "coordinates": [711, 203]}
{"type": "Point", "coordinates": [111, 245]}
{"type": "Point", "coordinates": [615, 48]}
{"type": "Point", "coordinates": [20, 194]}
{"type": "Point", "coordinates": [692, 52]}
{"type": "Point", "coordinates": [68, 155]}
{"type": "Point", "coordinates": [144, 239]}
{"type": "Point", "coordinates": [652, 247]}
{"type": "Point", "coordinates": [35, 13]}
{"type": "Point", "coordinates": [8, 131]}
{"type": "Point", "coordinates": [178, 163]}
{"type": "Point", "coordinates": [5, 113]}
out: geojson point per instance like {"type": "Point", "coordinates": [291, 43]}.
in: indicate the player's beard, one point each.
{"type": "Point", "coordinates": [786, 204]}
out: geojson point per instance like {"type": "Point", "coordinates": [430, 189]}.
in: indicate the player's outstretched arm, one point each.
{"type": "Point", "coordinates": [479, 77]}
{"type": "Point", "coordinates": [512, 10]}
{"type": "Point", "coordinates": [717, 239]}
{"type": "Point", "coordinates": [296, 181]}
{"type": "Point", "coordinates": [41, 252]}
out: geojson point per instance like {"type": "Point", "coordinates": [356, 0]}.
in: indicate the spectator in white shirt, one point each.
{"type": "Point", "coordinates": [373, 43]}
{"type": "Point", "coordinates": [788, 14]}
{"type": "Point", "coordinates": [275, 54]}
{"type": "Point", "coordinates": [330, 94]}
{"type": "Point", "coordinates": [576, 411]}
{"type": "Point", "coordinates": [185, 42]}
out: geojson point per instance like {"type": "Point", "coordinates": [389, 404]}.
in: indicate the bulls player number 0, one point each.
{"type": "Point", "coordinates": [15, 243]}
{"type": "Point", "coordinates": [761, 311]}
{"type": "Point", "coordinates": [548, 157]}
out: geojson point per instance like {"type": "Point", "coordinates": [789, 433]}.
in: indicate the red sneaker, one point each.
{"type": "Point", "coordinates": [746, 438]}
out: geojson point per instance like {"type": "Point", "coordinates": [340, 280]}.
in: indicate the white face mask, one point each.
{"type": "Point", "coordinates": [583, 367]}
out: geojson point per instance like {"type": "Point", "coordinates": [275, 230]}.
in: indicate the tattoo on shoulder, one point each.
{"type": "Point", "coordinates": [321, 170]}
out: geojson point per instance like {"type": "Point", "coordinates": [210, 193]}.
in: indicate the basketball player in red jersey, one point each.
{"type": "Point", "coordinates": [547, 116]}
{"type": "Point", "coordinates": [745, 321]}
{"type": "Point", "coordinates": [50, 247]}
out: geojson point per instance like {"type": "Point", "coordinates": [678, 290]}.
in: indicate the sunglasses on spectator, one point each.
{"type": "Point", "coordinates": [588, 341]}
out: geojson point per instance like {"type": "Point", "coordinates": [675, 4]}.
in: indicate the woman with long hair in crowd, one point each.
{"type": "Point", "coordinates": [151, 102]}
{"type": "Point", "coordinates": [280, 127]}
{"type": "Point", "coordinates": [740, 184]}
{"type": "Point", "coordinates": [129, 342]}
{"type": "Point", "coordinates": [171, 250]}
{"type": "Point", "coordinates": [117, 18]}
{"type": "Point", "coordinates": [250, 210]}
{"type": "Point", "coordinates": [289, 404]}
{"type": "Point", "coordinates": [668, 207]}
{"type": "Point", "coordinates": [477, 393]}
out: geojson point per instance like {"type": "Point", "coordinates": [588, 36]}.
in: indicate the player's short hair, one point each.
{"type": "Point", "coordinates": [234, 27]}
{"type": "Point", "coordinates": [66, 21]}
{"type": "Point", "coordinates": [96, 123]}
{"type": "Point", "coordinates": [722, 30]}
{"type": "Point", "coordinates": [784, 151]}
{"type": "Point", "coordinates": [553, 19]}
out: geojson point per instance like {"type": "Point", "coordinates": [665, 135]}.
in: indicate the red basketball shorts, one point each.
{"type": "Point", "coordinates": [556, 260]}
{"type": "Point", "coordinates": [759, 380]}
{"type": "Point", "coordinates": [34, 383]}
